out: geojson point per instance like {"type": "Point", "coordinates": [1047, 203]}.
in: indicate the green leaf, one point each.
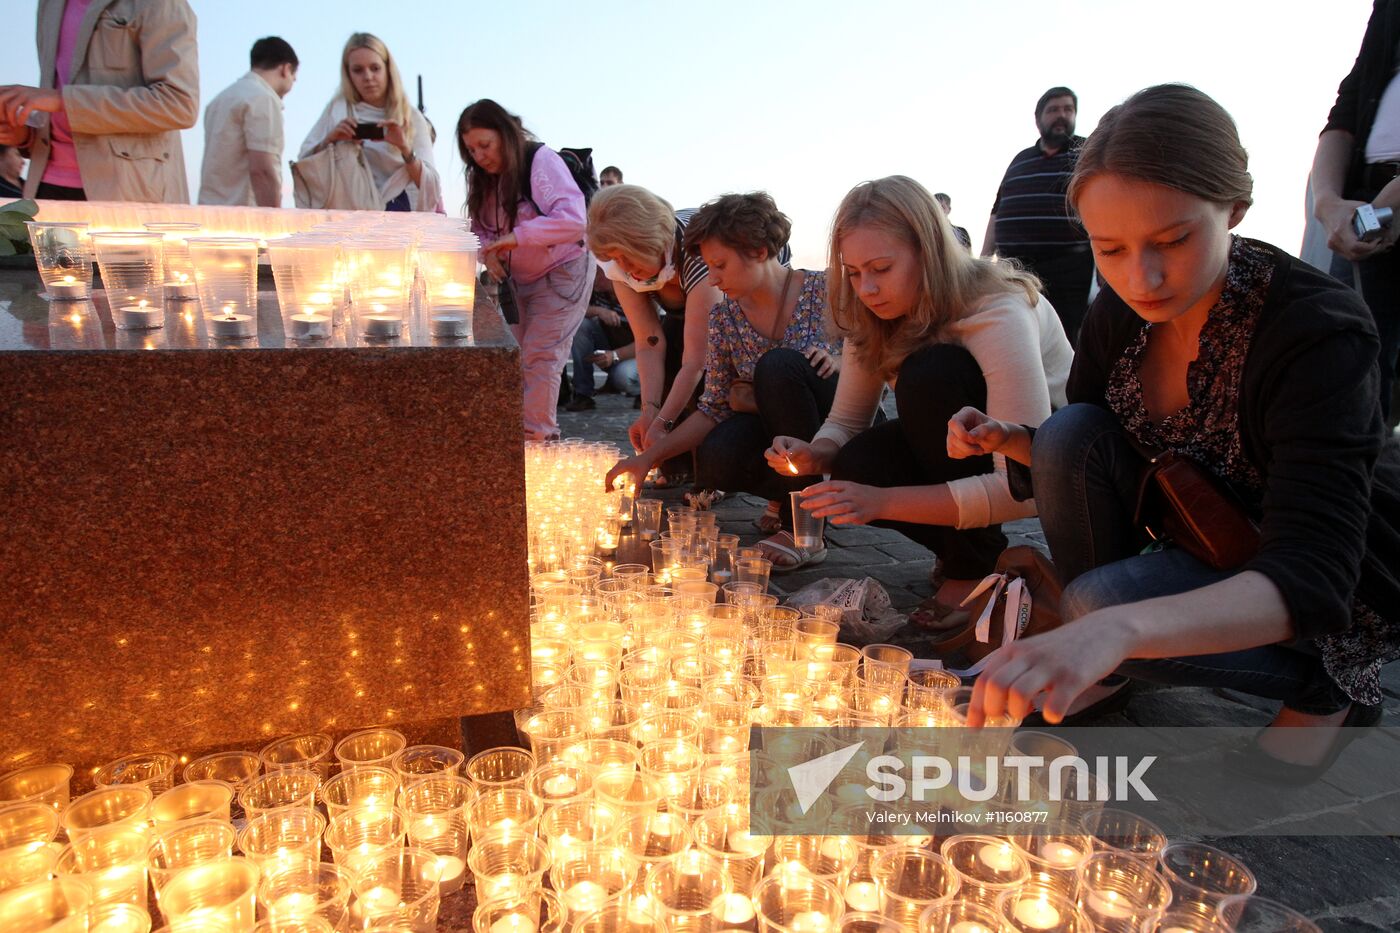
{"type": "Point", "coordinates": [28, 208]}
{"type": "Point", "coordinates": [7, 248]}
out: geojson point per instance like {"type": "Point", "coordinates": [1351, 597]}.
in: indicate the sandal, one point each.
{"type": "Point", "coordinates": [783, 551]}
{"type": "Point", "coordinates": [770, 521]}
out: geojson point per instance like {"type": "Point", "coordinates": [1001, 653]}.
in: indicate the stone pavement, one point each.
{"type": "Point", "coordinates": [1343, 883]}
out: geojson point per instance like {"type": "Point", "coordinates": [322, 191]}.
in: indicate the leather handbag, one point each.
{"type": "Point", "coordinates": [1020, 598]}
{"type": "Point", "coordinates": [1181, 502]}
{"type": "Point", "coordinates": [336, 178]}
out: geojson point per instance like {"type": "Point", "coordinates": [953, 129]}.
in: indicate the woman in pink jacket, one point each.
{"type": "Point", "coordinates": [530, 215]}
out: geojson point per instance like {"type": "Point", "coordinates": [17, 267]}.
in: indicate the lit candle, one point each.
{"type": "Point", "coordinates": [514, 923]}
{"type": "Point", "coordinates": [68, 288]}
{"type": "Point", "coordinates": [585, 897]}
{"type": "Point", "coordinates": [310, 324]}
{"type": "Point", "coordinates": [232, 325]}
{"type": "Point", "coordinates": [382, 325]}
{"type": "Point", "coordinates": [863, 895]}
{"type": "Point", "coordinates": [296, 904]}
{"type": "Point", "coordinates": [180, 288]}
{"type": "Point", "coordinates": [722, 577]}
{"type": "Point", "coordinates": [450, 869]}
{"type": "Point", "coordinates": [968, 926]}
{"type": "Point", "coordinates": [380, 898]}
{"type": "Point", "coordinates": [1036, 913]}
{"type": "Point", "coordinates": [810, 921]}
{"type": "Point", "coordinates": [1109, 904]}
{"type": "Point", "coordinates": [734, 908]}
{"type": "Point", "coordinates": [997, 857]}
{"type": "Point", "coordinates": [450, 324]}
{"type": "Point", "coordinates": [561, 785]}
{"type": "Point", "coordinates": [1060, 855]}
{"type": "Point", "coordinates": [139, 316]}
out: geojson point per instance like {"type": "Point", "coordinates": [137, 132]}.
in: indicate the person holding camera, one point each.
{"type": "Point", "coordinates": [373, 107]}
{"type": "Point", "coordinates": [1356, 180]}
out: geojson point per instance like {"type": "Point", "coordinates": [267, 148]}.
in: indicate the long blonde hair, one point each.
{"type": "Point", "coordinates": [397, 109]}
{"type": "Point", "coordinates": [952, 281]}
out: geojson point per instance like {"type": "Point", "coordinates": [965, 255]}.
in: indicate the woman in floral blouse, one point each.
{"type": "Point", "coordinates": [770, 367]}
{"type": "Point", "coordinates": [1263, 372]}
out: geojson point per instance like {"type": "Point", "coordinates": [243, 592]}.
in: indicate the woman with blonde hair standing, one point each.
{"type": "Point", "coordinates": [373, 106]}
{"type": "Point", "coordinates": [943, 328]}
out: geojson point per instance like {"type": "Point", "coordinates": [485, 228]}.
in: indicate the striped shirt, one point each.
{"type": "Point", "coordinates": [1032, 215]}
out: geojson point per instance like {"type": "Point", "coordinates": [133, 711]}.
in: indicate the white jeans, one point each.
{"type": "Point", "coordinates": [551, 309]}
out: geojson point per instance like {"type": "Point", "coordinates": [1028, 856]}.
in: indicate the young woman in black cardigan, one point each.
{"type": "Point", "coordinates": [1264, 372]}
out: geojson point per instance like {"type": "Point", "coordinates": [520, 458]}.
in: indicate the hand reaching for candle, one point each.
{"type": "Point", "coordinates": [793, 457]}
{"type": "Point", "coordinates": [846, 503]}
{"type": "Point", "coordinates": [636, 467]}
{"type": "Point", "coordinates": [1062, 663]}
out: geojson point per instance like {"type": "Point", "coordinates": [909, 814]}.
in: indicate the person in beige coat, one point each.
{"type": "Point", "coordinates": [131, 85]}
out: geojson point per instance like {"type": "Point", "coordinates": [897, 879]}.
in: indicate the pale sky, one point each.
{"type": "Point", "coordinates": [805, 99]}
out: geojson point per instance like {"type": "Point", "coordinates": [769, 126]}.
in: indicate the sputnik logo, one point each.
{"type": "Point", "coordinates": [811, 778]}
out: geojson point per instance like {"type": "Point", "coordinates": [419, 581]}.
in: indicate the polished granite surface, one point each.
{"type": "Point", "coordinates": [207, 544]}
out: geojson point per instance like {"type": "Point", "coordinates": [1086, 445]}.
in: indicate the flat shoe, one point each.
{"type": "Point", "coordinates": [770, 522]}
{"type": "Point", "coordinates": [781, 545]}
{"type": "Point", "coordinates": [1252, 761]}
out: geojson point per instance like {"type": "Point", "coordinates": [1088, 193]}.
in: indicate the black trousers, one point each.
{"type": "Point", "coordinates": [912, 450]}
{"type": "Point", "coordinates": [50, 192]}
{"type": "Point", "coordinates": [792, 401]}
{"type": "Point", "coordinates": [1065, 277]}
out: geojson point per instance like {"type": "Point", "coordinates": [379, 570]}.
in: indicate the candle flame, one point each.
{"type": "Point", "coordinates": [68, 280]}
{"type": "Point", "coordinates": [141, 304]}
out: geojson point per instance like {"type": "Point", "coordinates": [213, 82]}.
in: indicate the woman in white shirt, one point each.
{"type": "Point", "coordinates": [940, 327]}
{"type": "Point", "coordinates": [372, 92]}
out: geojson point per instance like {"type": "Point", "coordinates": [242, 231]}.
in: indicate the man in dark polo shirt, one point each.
{"type": "Point", "coordinates": [1030, 219]}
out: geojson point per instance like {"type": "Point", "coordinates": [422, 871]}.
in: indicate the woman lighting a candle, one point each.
{"type": "Point", "coordinates": [1262, 371]}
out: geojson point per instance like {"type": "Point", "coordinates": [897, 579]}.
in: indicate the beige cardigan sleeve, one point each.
{"type": "Point", "coordinates": [153, 67]}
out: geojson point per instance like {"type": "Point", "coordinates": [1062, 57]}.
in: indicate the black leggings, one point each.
{"type": "Point", "coordinates": [912, 450]}
{"type": "Point", "coordinates": [793, 401]}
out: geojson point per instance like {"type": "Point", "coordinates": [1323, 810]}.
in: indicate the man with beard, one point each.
{"type": "Point", "coordinates": [1030, 219]}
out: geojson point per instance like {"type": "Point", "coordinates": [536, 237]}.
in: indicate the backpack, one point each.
{"type": "Point", "coordinates": [579, 162]}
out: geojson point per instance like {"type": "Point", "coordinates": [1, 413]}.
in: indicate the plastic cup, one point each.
{"type": "Point", "coordinates": [1121, 894]}
{"type": "Point", "coordinates": [118, 918]}
{"type": "Point", "coordinates": [106, 810]}
{"type": "Point", "coordinates": [500, 768]}
{"type": "Point", "coordinates": [540, 912]}
{"type": "Point", "coordinates": [1202, 874]}
{"type": "Point", "coordinates": [310, 752]}
{"type": "Point", "coordinates": [589, 875]}
{"type": "Point", "coordinates": [419, 761]}
{"type": "Point", "coordinates": [1249, 913]}
{"type": "Point", "coordinates": [297, 891]}
{"type": "Point", "coordinates": [213, 895]}
{"type": "Point", "coordinates": [63, 253]}
{"type": "Point", "coordinates": [361, 833]}
{"type": "Point", "coordinates": [435, 809]}
{"type": "Point", "coordinates": [188, 845]}
{"type": "Point", "coordinates": [960, 917]}
{"type": "Point", "coordinates": [369, 747]}
{"type": "Point", "coordinates": [132, 264]}
{"type": "Point", "coordinates": [911, 880]}
{"type": "Point", "coordinates": [113, 865]}
{"type": "Point", "coordinates": [283, 789]}
{"type": "Point", "coordinates": [226, 275]}
{"type": "Point", "coordinates": [155, 771]}
{"type": "Point", "coordinates": [233, 768]}
{"type": "Point", "coordinates": [507, 862]}
{"type": "Point", "coordinates": [398, 889]}
{"type": "Point", "coordinates": [788, 902]}
{"type": "Point", "coordinates": [281, 839]}
{"type": "Point", "coordinates": [648, 518]}
{"type": "Point", "coordinates": [362, 787]}
{"type": "Point", "coordinates": [756, 570]}
{"type": "Point", "coordinates": [807, 529]}
{"type": "Point", "coordinates": [58, 905]}
{"type": "Point", "coordinates": [193, 802]}
{"type": "Point", "coordinates": [46, 784]}
{"type": "Point", "coordinates": [686, 889]}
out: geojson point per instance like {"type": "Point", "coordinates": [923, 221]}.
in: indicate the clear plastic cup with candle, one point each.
{"type": "Point", "coordinates": [233, 768]}
{"type": "Point", "coordinates": [1124, 832]}
{"type": "Point", "coordinates": [627, 914]}
{"type": "Point", "coordinates": [961, 916]}
{"type": "Point", "coordinates": [189, 845]}
{"type": "Point", "coordinates": [226, 275]}
{"type": "Point", "coordinates": [577, 823]}
{"type": "Point", "coordinates": [986, 866]}
{"type": "Point", "coordinates": [281, 839]}
{"type": "Point", "coordinates": [551, 731]}
{"type": "Point", "coordinates": [112, 865]}
{"type": "Point", "coordinates": [369, 747]}
{"type": "Point", "coordinates": [311, 752]}
{"type": "Point", "coordinates": [507, 861]}
{"type": "Point", "coordinates": [654, 839]}
{"type": "Point", "coordinates": [380, 287]}
{"type": "Point", "coordinates": [448, 268]}
{"type": "Point", "coordinates": [1037, 909]}
{"type": "Point", "coordinates": [155, 770]}
{"type": "Point", "coordinates": [25, 824]}
{"type": "Point", "coordinates": [648, 519]}
{"type": "Point", "coordinates": [288, 788]}
{"type": "Point", "coordinates": [793, 902]}
{"type": "Point", "coordinates": [118, 918]}
{"type": "Point", "coordinates": [371, 786]}
{"type": "Point", "coordinates": [56, 905]}
{"type": "Point", "coordinates": [27, 863]}
{"type": "Point", "coordinates": [540, 912]}
{"type": "Point", "coordinates": [398, 889]}
{"type": "Point", "coordinates": [309, 293]}
{"type": "Point", "coordinates": [560, 782]}
{"type": "Point", "coordinates": [177, 271]}
{"type": "Point", "coordinates": [506, 807]}
{"type": "Point", "coordinates": [1119, 893]}
{"type": "Point", "coordinates": [725, 835]}
{"type": "Point", "coordinates": [1054, 858]}
{"type": "Point", "coordinates": [63, 253]}
{"type": "Point", "coordinates": [587, 876]}
{"type": "Point", "coordinates": [807, 529]}
{"type": "Point", "coordinates": [829, 858]}
{"type": "Point", "coordinates": [108, 809]}
{"type": "Point", "coordinates": [756, 570]}
{"type": "Point", "coordinates": [360, 833]}
{"type": "Point", "coordinates": [687, 888]}
{"type": "Point", "coordinates": [306, 890]}
{"type": "Point", "coordinates": [436, 810]}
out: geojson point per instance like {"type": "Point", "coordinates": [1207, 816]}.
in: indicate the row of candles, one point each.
{"type": "Point", "coordinates": [351, 273]}
{"type": "Point", "coordinates": [631, 805]}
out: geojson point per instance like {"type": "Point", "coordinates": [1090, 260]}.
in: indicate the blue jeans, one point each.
{"type": "Point", "coordinates": [1086, 481]}
{"type": "Point", "coordinates": [588, 339]}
